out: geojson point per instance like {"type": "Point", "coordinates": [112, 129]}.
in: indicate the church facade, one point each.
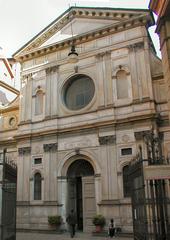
{"type": "Point", "coordinates": [80, 123]}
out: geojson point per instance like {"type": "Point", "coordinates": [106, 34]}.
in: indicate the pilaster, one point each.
{"type": "Point", "coordinates": [54, 90]}
{"type": "Point", "coordinates": [62, 196]}
{"type": "Point", "coordinates": [108, 78]}
{"type": "Point", "coordinates": [28, 98]}
{"type": "Point", "coordinates": [23, 185]}
{"type": "Point", "coordinates": [135, 78]}
{"type": "Point", "coordinates": [50, 171]}
{"type": "Point", "coordinates": [51, 100]}
{"type": "Point", "coordinates": [100, 69]}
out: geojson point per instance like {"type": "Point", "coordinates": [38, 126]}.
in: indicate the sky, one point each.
{"type": "Point", "coordinates": [20, 20]}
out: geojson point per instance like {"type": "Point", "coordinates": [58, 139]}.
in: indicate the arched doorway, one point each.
{"type": "Point", "coordinates": [81, 193]}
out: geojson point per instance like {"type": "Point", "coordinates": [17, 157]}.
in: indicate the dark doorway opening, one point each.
{"type": "Point", "coordinates": [78, 169]}
{"type": "Point", "coordinates": [79, 203]}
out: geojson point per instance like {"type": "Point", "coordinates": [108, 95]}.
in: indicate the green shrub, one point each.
{"type": "Point", "coordinates": [99, 220]}
{"type": "Point", "coordinates": [55, 220]}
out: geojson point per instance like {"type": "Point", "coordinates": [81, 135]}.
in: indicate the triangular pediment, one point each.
{"type": "Point", "coordinates": [77, 27]}
{"type": "Point", "coordinates": [77, 21]}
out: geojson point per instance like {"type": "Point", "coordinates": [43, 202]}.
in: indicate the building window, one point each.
{"type": "Point", "coordinates": [12, 121]}
{"type": "Point", "coordinates": [37, 186]}
{"type": "Point", "coordinates": [122, 84]}
{"type": "Point", "coordinates": [37, 160]}
{"type": "Point", "coordinates": [78, 92]}
{"type": "Point", "coordinates": [126, 182]}
{"type": "Point", "coordinates": [126, 151]}
{"type": "Point", "coordinates": [39, 103]}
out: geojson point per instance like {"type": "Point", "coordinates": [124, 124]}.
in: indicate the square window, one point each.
{"type": "Point", "coordinates": [126, 151]}
{"type": "Point", "coordinates": [37, 160]}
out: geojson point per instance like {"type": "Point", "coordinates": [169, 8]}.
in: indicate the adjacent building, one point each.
{"type": "Point", "coordinates": [162, 9]}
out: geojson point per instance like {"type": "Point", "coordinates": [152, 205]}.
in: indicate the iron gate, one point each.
{"type": "Point", "coordinates": [150, 192]}
{"type": "Point", "coordinates": [8, 180]}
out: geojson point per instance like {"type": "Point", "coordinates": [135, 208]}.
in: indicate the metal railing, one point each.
{"type": "Point", "coordinates": [8, 181]}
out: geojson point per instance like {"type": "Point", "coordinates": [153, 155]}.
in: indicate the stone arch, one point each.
{"type": "Point", "coordinates": [120, 167]}
{"type": "Point", "coordinates": [37, 171]}
{"type": "Point", "coordinates": [72, 156]}
{"type": "Point", "coordinates": [123, 164]}
{"type": "Point", "coordinates": [71, 181]}
{"type": "Point", "coordinates": [119, 68]}
{"type": "Point", "coordinates": [38, 89]}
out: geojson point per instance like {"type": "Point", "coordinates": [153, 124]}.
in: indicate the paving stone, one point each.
{"type": "Point", "coordinates": [64, 236]}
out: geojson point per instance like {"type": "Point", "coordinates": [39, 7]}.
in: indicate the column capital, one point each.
{"type": "Point", "coordinates": [52, 69]}
{"type": "Point", "coordinates": [50, 147]}
{"type": "Point", "coordinates": [24, 150]}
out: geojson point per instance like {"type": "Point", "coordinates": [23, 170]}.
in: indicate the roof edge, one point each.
{"type": "Point", "coordinates": [68, 10]}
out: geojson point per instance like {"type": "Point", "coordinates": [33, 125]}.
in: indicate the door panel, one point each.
{"type": "Point", "coordinates": [89, 203]}
{"type": "Point", "coordinates": [71, 204]}
{"type": "Point", "coordinates": [79, 203]}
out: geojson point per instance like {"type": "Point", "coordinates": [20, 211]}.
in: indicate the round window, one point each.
{"type": "Point", "coordinates": [78, 92]}
{"type": "Point", "coordinates": [12, 121]}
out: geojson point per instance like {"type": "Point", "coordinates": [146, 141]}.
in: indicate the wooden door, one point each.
{"type": "Point", "coordinates": [71, 202]}
{"type": "Point", "coordinates": [89, 203]}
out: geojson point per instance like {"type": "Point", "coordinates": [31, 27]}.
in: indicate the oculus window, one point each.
{"type": "Point", "coordinates": [78, 92]}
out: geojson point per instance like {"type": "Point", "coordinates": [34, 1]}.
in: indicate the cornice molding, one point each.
{"type": "Point", "coordinates": [133, 119]}
{"type": "Point", "coordinates": [79, 12]}
{"type": "Point", "coordinates": [80, 39]}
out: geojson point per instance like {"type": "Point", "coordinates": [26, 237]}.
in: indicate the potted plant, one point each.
{"type": "Point", "coordinates": [99, 221]}
{"type": "Point", "coordinates": [55, 221]}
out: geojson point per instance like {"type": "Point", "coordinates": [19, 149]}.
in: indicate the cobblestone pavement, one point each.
{"type": "Point", "coordinates": [64, 236]}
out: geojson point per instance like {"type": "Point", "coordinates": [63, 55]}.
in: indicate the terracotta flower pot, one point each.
{"type": "Point", "coordinates": [99, 228]}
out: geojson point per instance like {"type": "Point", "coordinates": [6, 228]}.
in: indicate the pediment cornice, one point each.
{"type": "Point", "coordinates": [126, 19]}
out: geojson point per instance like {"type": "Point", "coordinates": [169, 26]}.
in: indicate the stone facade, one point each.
{"type": "Point", "coordinates": [101, 136]}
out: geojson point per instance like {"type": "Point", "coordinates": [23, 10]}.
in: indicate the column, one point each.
{"type": "Point", "coordinates": [62, 196]}
{"type": "Point", "coordinates": [144, 76]}
{"type": "Point", "coordinates": [48, 94]}
{"type": "Point", "coordinates": [22, 99]}
{"type": "Point", "coordinates": [98, 193]}
{"type": "Point", "coordinates": [50, 170]}
{"type": "Point", "coordinates": [100, 80]}
{"type": "Point", "coordinates": [136, 91]}
{"type": "Point", "coordinates": [28, 98]}
{"type": "Point", "coordinates": [54, 90]}
{"type": "Point", "coordinates": [108, 79]}
{"type": "Point", "coordinates": [23, 185]}
{"type": "Point", "coordinates": [109, 172]}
